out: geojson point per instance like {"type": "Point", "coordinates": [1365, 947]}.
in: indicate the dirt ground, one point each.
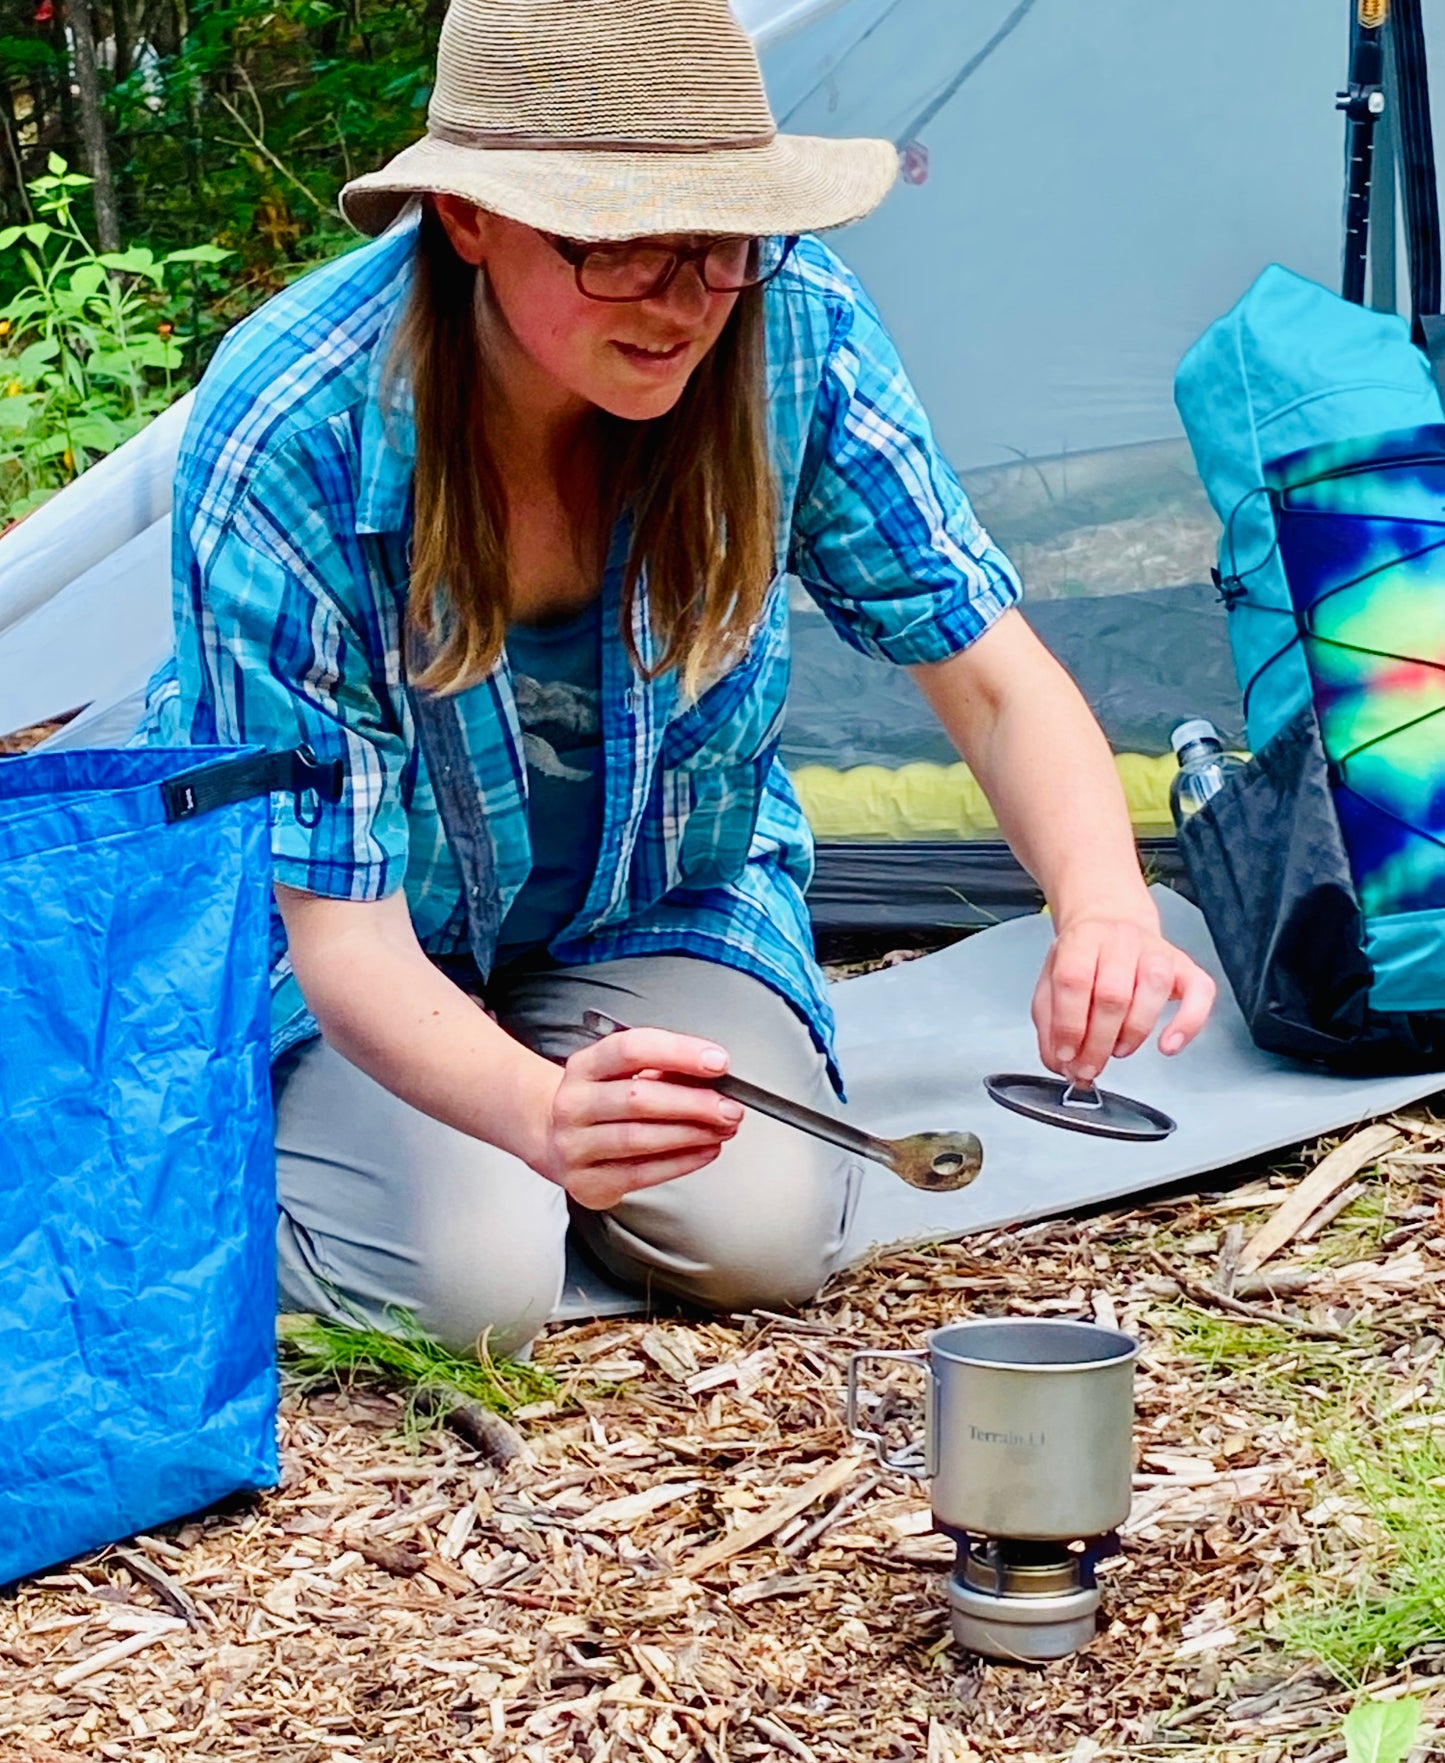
{"type": "Point", "coordinates": [696, 1561]}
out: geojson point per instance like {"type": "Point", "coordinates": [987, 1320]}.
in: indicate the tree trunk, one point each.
{"type": "Point", "coordinates": [92, 123]}
{"type": "Point", "coordinates": [13, 164]}
{"type": "Point", "coordinates": [123, 32]}
{"type": "Point", "coordinates": [180, 15]}
{"type": "Point", "coordinates": [69, 128]}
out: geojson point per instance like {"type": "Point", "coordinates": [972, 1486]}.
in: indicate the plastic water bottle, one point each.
{"type": "Point", "coordinates": [1203, 767]}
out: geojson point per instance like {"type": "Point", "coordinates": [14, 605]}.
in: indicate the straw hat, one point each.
{"type": "Point", "coordinates": [613, 119]}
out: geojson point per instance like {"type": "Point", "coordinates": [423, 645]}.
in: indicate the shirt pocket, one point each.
{"type": "Point", "coordinates": [716, 756]}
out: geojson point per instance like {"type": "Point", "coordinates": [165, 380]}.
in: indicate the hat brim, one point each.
{"type": "Point", "coordinates": [794, 184]}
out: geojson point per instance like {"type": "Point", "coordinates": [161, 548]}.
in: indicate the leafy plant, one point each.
{"type": "Point", "coordinates": [262, 109]}
{"type": "Point", "coordinates": [1381, 1732]}
{"type": "Point", "coordinates": [91, 342]}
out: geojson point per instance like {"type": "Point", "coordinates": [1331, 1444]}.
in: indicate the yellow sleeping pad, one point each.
{"type": "Point", "coordinates": [944, 801]}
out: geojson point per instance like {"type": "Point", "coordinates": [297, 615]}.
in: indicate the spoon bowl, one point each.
{"type": "Point", "coordinates": [937, 1162]}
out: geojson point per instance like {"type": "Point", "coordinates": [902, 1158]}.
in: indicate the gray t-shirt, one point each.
{"type": "Point", "coordinates": [557, 680]}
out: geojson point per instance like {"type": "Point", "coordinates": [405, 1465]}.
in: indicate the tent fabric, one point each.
{"type": "Point", "coordinates": [85, 605]}
{"type": "Point", "coordinates": [919, 801]}
{"type": "Point", "coordinates": [137, 1376]}
{"type": "Point", "coordinates": [113, 626]}
{"type": "Point", "coordinates": [1134, 656]}
{"type": "Point", "coordinates": [1081, 197]}
{"type": "Point", "coordinates": [1095, 193]}
{"type": "Point", "coordinates": [908, 890]}
{"type": "Point", "coordinates": [83, 526]}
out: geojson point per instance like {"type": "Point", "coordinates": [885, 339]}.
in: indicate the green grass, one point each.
{"type": "Point", "coordinates": [1369, 1590]}
{"type": "Point", "coordinates": [1279, 1352]}
{"type": "Point", "coordinates": [1356, 1234]}
{"type": "Point", "coordinates": [1391, 1601]}
{"type": "Point", "coordinates": [317, 1352]}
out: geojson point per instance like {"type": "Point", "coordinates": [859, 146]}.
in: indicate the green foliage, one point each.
{"type": "Point", "coordinates": [259, 117]}
{"type": "Point", "coordinates": [1391, 1601]}
{"type": "Point", "coordinates": [92, 344]}
{"type": "Point", "coordinates": [235, 121]}
{"type": "Point", "coordinates": [1381, 1732]}
{"type": "Point", "coordinates": [1369, 1592]}
{"type": "Point", "coordinates": [1220, 1345]}
{"type": "Point", "coordinates": [25, 53]}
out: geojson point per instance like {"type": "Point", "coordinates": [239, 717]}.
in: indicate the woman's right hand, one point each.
{"type": "Point", "coordinates": [608, 1124]}
{"type": "Point", "coordinates": [618, 1124]}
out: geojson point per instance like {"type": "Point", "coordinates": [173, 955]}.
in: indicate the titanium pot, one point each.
{"type": "Point", "coordinates": [1028, 1426]}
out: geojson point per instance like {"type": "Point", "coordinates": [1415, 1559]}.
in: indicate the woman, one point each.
{"type": "Point", "coordinates": [497, 510]}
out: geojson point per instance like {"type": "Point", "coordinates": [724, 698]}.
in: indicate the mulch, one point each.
{"type": "Point", "coordinates": [693, 1560]}
{"type": "Point", "coordinates": [21, 740]}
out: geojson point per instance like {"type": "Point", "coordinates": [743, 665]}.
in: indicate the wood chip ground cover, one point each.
{"type": "Point", "coordinates": [696, 1562]}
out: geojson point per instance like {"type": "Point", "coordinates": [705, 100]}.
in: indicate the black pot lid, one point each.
{"type": "Point", "coordinates": [1057, 1102]}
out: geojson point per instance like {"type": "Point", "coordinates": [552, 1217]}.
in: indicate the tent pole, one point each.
{"type": "Point", "coordinates": [1362, 101]}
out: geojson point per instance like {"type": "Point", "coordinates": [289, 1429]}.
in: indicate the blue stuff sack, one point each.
{"type": "Point", "coordinates": [137, 1164]}
{"type": "Point", "coordinates": [1292, 366]}
{"type": "Point", "coordinates": [1320, 868]}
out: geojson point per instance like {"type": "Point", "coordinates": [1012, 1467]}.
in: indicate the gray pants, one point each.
{"type": "Point", "coordinates": [384, 1209]}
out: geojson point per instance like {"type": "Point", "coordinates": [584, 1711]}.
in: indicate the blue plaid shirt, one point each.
{"type": "Point", "coordinates": [292, 524]}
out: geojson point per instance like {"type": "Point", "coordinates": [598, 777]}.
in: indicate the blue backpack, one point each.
{"type": "Point", "coordinates": [1319, 434]}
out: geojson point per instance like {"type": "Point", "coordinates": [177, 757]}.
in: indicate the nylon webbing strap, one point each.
{"type": "Point", "coordinates": [1419, 195]}
{"type": "Point", "coordinates": [297, 773]}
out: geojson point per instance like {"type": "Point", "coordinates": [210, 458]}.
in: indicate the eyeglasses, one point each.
{"type": "Point", "coordinates": [638, 269]}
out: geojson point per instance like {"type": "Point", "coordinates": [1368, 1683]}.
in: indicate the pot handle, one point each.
{"type": "Point", "coordinates": [915, 1462]}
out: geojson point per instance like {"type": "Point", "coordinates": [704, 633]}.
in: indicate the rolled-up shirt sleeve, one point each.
{"type": "Point", "coordinates": [285, 649]}
{"type": "Point", "coordinates": [883, 536]}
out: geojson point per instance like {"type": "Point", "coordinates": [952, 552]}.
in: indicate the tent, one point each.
{"type": "Point", "coordinates": [1083, 193]}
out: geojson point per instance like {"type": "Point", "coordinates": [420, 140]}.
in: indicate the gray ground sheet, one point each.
{"type": "Point", "coordinates": [917, 1040]}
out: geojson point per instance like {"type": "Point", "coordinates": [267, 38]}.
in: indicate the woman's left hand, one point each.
{"type": "Point", "coordinates": [1105, 984]}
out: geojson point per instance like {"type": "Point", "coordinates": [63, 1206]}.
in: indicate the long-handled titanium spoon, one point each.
{"type": "Point", "coordinates": [936, 1161]}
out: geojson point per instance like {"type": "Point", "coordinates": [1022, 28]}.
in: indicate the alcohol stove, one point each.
{"type": "Point", "coordinates": [1028, 1450]}
{"type": "Point", "coordinates": [1022, 1601]}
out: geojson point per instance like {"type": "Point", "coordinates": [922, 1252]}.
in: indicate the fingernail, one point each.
{"type": "Point", "coordinates": [714, 1059]}
{"type": "Point", "coordinates": [731, 1111]}
{"type": "Point", "coordinates": [1171, 1044]}
{"type": "Point", "coordinates": [1086, 1074]}
{"type": "Point", "coordinates": [1066, 1054]}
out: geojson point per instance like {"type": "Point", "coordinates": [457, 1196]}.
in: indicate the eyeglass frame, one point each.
{"type": "Point", "coordinates": [577, 251]}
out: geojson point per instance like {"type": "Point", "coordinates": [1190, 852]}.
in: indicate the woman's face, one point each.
{"type": "Point", "coordinates": [632, 360]}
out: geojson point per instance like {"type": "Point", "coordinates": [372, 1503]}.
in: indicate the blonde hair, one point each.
{"type": "Point", "coordinates": [697, 484]}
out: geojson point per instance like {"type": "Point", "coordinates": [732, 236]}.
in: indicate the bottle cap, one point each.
{"type": "Point", "coordinates": [1199, 729]}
